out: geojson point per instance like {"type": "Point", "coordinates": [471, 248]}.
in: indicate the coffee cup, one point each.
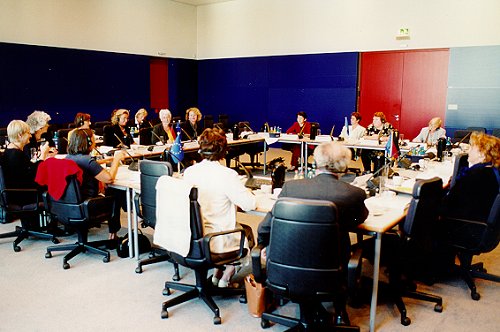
{"type": "Point", "coordinates": [397, 180]}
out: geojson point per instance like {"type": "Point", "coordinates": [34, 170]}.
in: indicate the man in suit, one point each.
{"type": "Point", "coordinates": [331, 158]}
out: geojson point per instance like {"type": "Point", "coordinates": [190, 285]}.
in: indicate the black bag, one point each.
{"type": "Point", "coordinates": [123, 245]}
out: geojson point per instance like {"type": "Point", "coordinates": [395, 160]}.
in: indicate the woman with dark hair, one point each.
{"type": "Point", "coordinates": [220, 191]}
{"type": "Point", "coordinates": [379, 130]}
{"type": "Point", "coordinates": [355, 131]}
{"type": "Point", "coordinates": [300, 128]}
{"type": "Point", "coordinates": [82, 121]}
{"type": "Point", "coordinates": [81, 143]}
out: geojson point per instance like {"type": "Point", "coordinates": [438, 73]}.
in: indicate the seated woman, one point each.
{"type": "Point", "coordinates": [38, 121]}
{"type": "Point", "coordinates": [476, 187]}
{"type": "Point", "coordinates": [355, 131]}
{"type": "Point", "coordinates": [80, 144]}
{"type": "Point", "coordinates": [430, 135]}
{"type": "Point", "coordinates": [218, 195]}
{"type": "Point", "coordinates": [300, 128]}
{"type": "Point", "coordinates": [18, 170]}
{"type": "Point", "coordinates": [119, 131]}
{"type": "Point", "coordinates": [379, 130]}
{"type": "Point", "coordinates": [164, 132]}
{"type": "Point", "coordinates": [191, 127]}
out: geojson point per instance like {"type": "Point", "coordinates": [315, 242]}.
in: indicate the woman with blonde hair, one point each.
{"type": "Point", "coordinates": [119, 131]}
{"type": "Point", "coordinates": [191, 127]}
{"type": "Point", "coordinates": [432, 133]}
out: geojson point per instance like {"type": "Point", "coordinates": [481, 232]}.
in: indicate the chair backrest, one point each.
{"type": "Point", "coordinates": [496, 132]}
{"type": "Point", "coordinates": [208, 121]}
{"type": "Point", "coordinates": [150, 172]}
{"type": "Point", "coordinates": [303, 256]}
{"type": "Point", "coordinates": [460, 136]}
{"type": "Point", "coordinates": [423, 212]}
{"type": "Point", "coordinates": [461, 161]}
{"type": "Point", "coordinates": [224, 120]}
{"type": "Point", "coordinates": [480, 129]}
{"type": "Point", "coordinates": [69, 206]}
{"type": "Point", "coordinates": [99, 125]}
{"type": "Point", "coordinates": [491, 237]}
{"type": "Point", "coordinates": [145, 136]}
{"type": "Point", "coordinates": [62, 140]}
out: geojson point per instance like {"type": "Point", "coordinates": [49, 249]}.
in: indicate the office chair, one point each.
{"type": "Point", "coordinates": [62, 140]}
{"type": "Point", "coordinates": [224, 121]}
{"type": "Point", "coordinates": [145, 205]}
{"type": "Point", "coordinates": [208, 121]}
{"type": "Point", "coordinates": [77, 213]}
{"type": "Point", "coordinates": [145, 136]}
{"type": "Point", "coordinates": [461, 161]}
{"type": "Point", "coordinates": [195, 251]}
{"type": "Point", "coordinates": [99, 127]}
{"type": "Point", "coordinates": [473, 237]}
{"type": "Point", "coordinates": [411, 251]}
{"type": "Point", "coordinates": [495, 132]}
{"type": "Point", "coordinates": [461, 136]}
{"type": "Point", "coordinates": [24, 204]}
{"type": "Point", "coordinates": [480, 129]}
{"type": "Point", "coordinates": [304, 271]}
{"type": "Point", "coordinates": [253, 150]}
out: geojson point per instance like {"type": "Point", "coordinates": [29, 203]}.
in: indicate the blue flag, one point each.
{"type": "Point", "coordinates": [176, 150]}
{"type": "Point", "coordinates": [346, 124]}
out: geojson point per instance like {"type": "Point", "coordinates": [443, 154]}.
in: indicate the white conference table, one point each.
{"type": "Point", "coordinates": [385, 211]}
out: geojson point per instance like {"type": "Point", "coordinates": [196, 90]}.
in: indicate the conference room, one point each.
{"type": "Point", "coordinates": [248, 61]}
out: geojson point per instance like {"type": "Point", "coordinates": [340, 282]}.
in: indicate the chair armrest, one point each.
{"type": "Point", "coordinates": [248, 234]}
{"type": "Point", "coordinates": [257, 270]}
{"type": "Point", "coordinates": [223, 258]}
{"type": "Point", "coordinates": [137, 203]}
{"type": "Point", "coordinates": [99, 208]}
{"type": "Point", "coordinates": [27, 195]}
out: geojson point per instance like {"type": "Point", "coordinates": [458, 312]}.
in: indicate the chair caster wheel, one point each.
{"type": "Point", "coordinates": [438, 308]}
{"type": "Point", "coordinates": [55, 241]}
{"type": "Point", "coordinates": [164, 314]}
{"type": "Point", "coordinates": [264, 323]}
{"type": "Point", "coordinates": [405, 321]}
{"type": "Point", "coordinates": [217, 320]}
{"type": "Point", "coordinates": [65, 266]}
{"type": "Point", "coordinates": [17, 248]}
{"type": "Point", "coordinates": [106, 259]}
{"type": "Point", "coordinates": [166, 291]}
{"type": "Point", "coordinates": [138, 269]}
{"type": "Point", "coordinates": [475, 296]}
{"type": "Point", "coordinates": [151, 255]}
{"type": "Point", "coordinates": [243, 299]}
{"type": "Point", "coordinates": [176, 277]}
{"type": "Point", "coordinates": [48, 255]}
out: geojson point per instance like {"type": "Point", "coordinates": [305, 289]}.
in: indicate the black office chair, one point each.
{"type": "Point", "coordinates": [201, 259]}
{"type": "Point", "coordinates": [305, 271]}
{"type": "Point", "coordinates": [99, 127]}
{"type": "Point", "coordinates": [223, 120]}
{"type": "Point", "coordinates": [145, 136]}
{"type": "Point", "coordinates": [461, 136]}
{"type": "Point", "coordinates": [411, 251]}
{"type": "Point", "coordinates": [62, 140]}
{"type": "Point", "coordinates": [79, 214]}
{"type": "Point", "coordinates": [473, 237]}
{"type": "Point", "coordinates": [461, 161]}
{"type": "Point", "coordinates": [208, 121]}
{"type": "Point", "coordinates": [145, 205]}
{"type": "Point", "coordinates": [479, 129]}
{"type": "Point", "coordinates": [24, 204]}
{"type": "Point", "coordinates": [253, 150]}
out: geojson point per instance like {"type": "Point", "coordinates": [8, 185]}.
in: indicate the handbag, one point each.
{"type": "Point", "coordinates": [256, 296]}
{"type": "Point", "coordinates": [123, 245]}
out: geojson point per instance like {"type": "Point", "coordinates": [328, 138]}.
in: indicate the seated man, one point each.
{"type": "Point", "coordinates": [330, 157]}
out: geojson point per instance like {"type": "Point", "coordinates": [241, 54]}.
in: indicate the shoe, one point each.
{"type": "Point", "coordinates": [215, 281]}
{"type": "Point", "coordinates": [292, 169]}
{"type": "Point", "coordinates": [223, 283]}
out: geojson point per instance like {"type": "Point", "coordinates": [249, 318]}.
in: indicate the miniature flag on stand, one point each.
{"type": "Point", "coordinates": [176, 150]}
{"type": "Point", "coordinates": [391, 149]}
{"type": "Point", "coordinates": [346, 124]}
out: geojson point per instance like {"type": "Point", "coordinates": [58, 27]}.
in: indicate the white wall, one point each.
{"type": "Point", "coordinates": [276, 27]}
{"type": "Point", "coordinates": [147, 27]}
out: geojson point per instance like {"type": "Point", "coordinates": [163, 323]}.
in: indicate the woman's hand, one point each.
{"type": "Point", "coordinates": [46, 151]}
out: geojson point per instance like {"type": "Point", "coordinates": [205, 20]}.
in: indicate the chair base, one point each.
{"type": "Point", "coordinates": [203, 290]}
{"type": "Point", "coordinates": [313, 317]}
{"type": "Point", "coordinates": [158, 259]}
{"type": "Point", "coordinates": [22, 233]}
{"type": "Point", "coordinates": [469, 271]}
{"type": "Point", "coordinates": [81, 247]}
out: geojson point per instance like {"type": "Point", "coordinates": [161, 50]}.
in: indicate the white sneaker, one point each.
{"type": "Point", "coordinates": [215, 281]}
{"type": "Point", "coordinates": [223, 283]}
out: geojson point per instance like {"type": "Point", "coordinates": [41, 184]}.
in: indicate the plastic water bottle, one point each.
{"type": "Point", "coordinates": [56, 140]}
{"type": "Point", "coordinates": [296, 176]}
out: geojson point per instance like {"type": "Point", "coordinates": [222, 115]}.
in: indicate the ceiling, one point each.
{"type": "Point", "coordinates": [200, 2]}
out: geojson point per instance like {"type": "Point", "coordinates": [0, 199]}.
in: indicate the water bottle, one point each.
{"type": "Point", "coordinates": [56, 140]}
{"type": "Point", "coordinates": [236, 132]}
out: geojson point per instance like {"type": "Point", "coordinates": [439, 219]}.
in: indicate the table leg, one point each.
{"type": "Point", "coordinates": [129, 223]}
{"type": "Point", "coordinates": [376, 270]}
{"type": "Point", "coordinates": [136, 231]}
{"type": "Point", "coordinates": [265, 158]}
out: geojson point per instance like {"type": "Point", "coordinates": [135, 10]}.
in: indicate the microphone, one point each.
{"type": "Point", "coordinates": [134, 165]}
{"type": "Point", "coordinates": [247, 126]}
{"type": "Point", "coordinates": [456, 145]}
{"type": "Point", "coordinates": [218, 127]}
{"type": "Point", "coordinates": [167, 151]}
{"type": "Point", "coordinates": [121, 145]}
{"type": "Point", "coordinates": [159, 138]}
{"type": "Point", "coordinates": [188, 136]}
{"type": "Point", "coordinates": [248, 173]}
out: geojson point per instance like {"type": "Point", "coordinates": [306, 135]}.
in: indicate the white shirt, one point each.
{"type": "Point", "coordinates": [219, 192]}
{"type": "Point", "coordinates": [354, 134]}
{"type": "Point", "coordinates": [426, 137]}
